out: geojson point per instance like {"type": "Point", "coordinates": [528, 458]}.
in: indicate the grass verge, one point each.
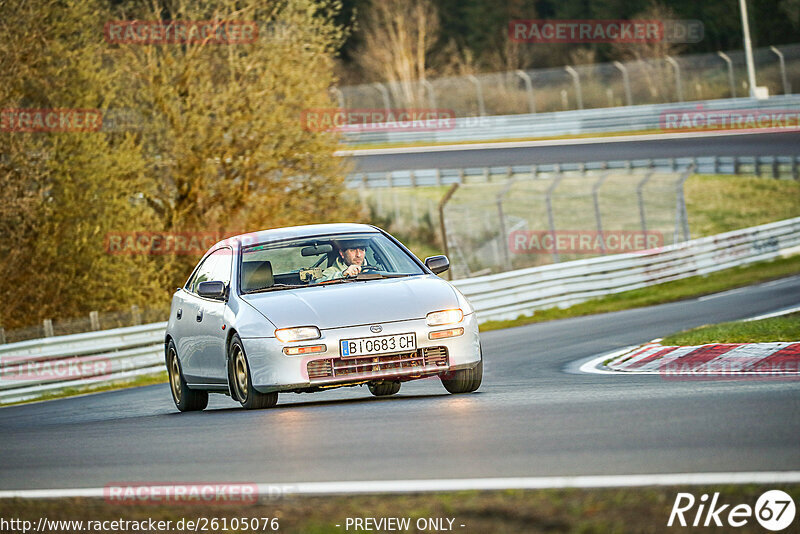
{"type": "Point", "coordinates": [641, 509]}
{"type": "Point", "coordinates": [695, 286]}
{"type": "Point", "coordinates": [773, 329]}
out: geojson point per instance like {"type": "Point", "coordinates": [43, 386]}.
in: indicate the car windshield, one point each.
{"type": "Point", "coordinates": [318, 260]}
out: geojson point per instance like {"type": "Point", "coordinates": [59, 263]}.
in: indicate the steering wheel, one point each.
{"type": "Point", "coordinates": [368, 269]}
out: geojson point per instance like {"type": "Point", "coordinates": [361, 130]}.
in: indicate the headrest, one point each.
{"type": "Point", "coordinates": [256, 275]}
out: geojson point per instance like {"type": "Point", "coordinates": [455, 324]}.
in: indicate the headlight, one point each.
{"type": "Point", "coordinates": [300, 333]}
{"type": "Point", "coordinates": [439, 318]}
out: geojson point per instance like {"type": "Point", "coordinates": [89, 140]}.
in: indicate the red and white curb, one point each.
{"type": "Point", "coordinates": [736, 359]}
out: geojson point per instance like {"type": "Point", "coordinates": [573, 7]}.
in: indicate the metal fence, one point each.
{"type": "Point", "coordinates": [31, 369]}
{"type": "Point", "coordinates": [655, 81]}
{"type": "Point", "coordinates": [494, 206]}
{"type": "Point", "coordinates": [529, 220]}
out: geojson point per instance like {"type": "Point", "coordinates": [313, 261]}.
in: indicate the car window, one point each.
{"type": "Point", "coordinates": [217, 266]}
{"type": "Point", "coordinates": [303, 261]}
{"type": "Point", "coordinates": [221, 271]}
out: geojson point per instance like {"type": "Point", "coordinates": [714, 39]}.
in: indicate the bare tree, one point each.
{"type": "Point", "coordinates": [398, 36]}
{"type": "Point", "coordinates": [651, 55]}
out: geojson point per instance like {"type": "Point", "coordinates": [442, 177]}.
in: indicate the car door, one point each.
{"type": "Point", "coordinates": [210, 318]}
{"type": "Point", "coordinates": [189, 330]}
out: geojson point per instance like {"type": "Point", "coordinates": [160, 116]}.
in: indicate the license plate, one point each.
{"type": "Point", "coordinates": [366, 346]}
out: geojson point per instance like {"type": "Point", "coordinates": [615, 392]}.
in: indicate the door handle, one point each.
{"type": "Point", "coordinates": [199, 316]}
{"type": "Point", "coordinates": [180, 313]}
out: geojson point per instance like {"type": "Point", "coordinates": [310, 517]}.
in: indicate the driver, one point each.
{"type": "Point", "coordinates": [349, 262]}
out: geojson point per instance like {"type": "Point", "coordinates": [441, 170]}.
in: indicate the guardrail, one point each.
{"type": "Point", "coordinates": [774, 166]}
{"type": "Point", "coordinates": [586, 121]}
{"type": "Point", "coordinates": [508, 295]}
{"type": "Point", "coordinates": [31, 369]}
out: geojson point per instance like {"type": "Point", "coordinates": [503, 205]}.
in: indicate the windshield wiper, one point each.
{"type": "Point", "coordinates": [378, 276]}
{"type": "Point", "coordinates": [276, 287]}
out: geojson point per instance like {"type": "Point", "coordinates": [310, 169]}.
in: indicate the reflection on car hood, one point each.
{"type": "Point", "coordinates": [353, 303]}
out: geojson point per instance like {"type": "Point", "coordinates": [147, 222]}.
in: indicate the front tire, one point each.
{"type": "Point", "coordinates": [384, 388]}
{"type": "Point", "coordinates": [464, 380]}
{"type": "Point", "coordinates": [186, 400]}
{"type": "Point", "coordinates": [241, 382]}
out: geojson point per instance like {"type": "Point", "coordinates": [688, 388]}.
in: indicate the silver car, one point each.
{"type": "Point", "coordinates": [271, 311]}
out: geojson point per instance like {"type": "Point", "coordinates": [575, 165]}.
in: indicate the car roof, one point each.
{"type": "Point", "coordinates": [298, 232]}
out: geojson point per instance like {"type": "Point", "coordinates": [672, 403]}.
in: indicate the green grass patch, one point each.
{"type": "Point", "coordinates": [773, 329]}
{"type": "Point", "coordinates": [695, 286]}
{"type": "Point", "coordinates": [721, 203]}
{"type": "Point", "coordinates": [641, 509]}
{"type": "Point", "coordinates": [145, 380]}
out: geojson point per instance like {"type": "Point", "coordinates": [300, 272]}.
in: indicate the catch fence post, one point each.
{"type": "Point", "coordinates": [528, 89]}
{"type": "Point", "coordinates": [442, 225]}
{"type": "Point", "coordinates": [626, 81]}
{"type": "Point", "coordinates": [640, 197]}
{"type": "Point", "coordinates": [136, 315]}
{"type": "Point", "coordinates": [598, 218]}
{"type": "Point", "coordinates": [576, 80]}
{"type": "Point", "coordinates": [551, 222]}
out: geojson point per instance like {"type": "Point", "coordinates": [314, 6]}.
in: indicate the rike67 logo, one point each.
{"type": "Point", "coordinates": [774, 510]}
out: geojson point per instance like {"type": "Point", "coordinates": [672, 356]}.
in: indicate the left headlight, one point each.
{"type": "Point", "coordinates": [300, 333]}
{"type": "Point", "coordinates": [439, 318]}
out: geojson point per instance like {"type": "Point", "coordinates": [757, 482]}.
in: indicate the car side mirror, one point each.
{"type": "Point", "coordinates": [437, 264]}
{"type": "Point", "coordinates": [211, 290]}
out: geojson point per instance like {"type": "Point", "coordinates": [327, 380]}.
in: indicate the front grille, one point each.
{"type": "Point", "coordinates": [435, 356]}
{"type": "Point", "coordinates": [382, 364]}
{"type": "Point", "coordinates": [319, 368]}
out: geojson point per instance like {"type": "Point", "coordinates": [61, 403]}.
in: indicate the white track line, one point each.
{"type": "Point", "coordinates": [778, 313]}
{"type": "Point", "coordinates": [539, 143]}
{"type": "Point", "coordinates": [467, 484]}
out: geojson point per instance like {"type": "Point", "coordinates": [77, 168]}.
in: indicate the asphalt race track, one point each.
{"type": "Point", "coordinates": [535, 415]}
{"type": "Point", "coordinates": [566, 151]}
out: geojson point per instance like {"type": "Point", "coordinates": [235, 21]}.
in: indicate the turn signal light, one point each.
{"type": "Point", "coordinates": [310, 349]}
{"type": "Point", "coordinates": [440, 334]}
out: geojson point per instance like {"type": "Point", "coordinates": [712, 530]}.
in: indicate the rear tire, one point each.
{"type": "Point", "coordinates": [464, 380]}
{"type": "Point", "coordinates": [241, 382]}
{"type": "Point", "coordinates": [186, 400]}
{"type": "Point", "coordinates": [384, 388]}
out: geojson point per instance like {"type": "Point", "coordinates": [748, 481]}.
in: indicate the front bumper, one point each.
{"type": "Point", "coordinates": [272, 370]}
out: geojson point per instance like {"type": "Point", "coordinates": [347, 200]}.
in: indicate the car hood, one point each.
{"type": "Point", "coordinates": [355, 303]}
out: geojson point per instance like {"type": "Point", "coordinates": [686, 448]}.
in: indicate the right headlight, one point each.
{"type": "Point", "coordinates": [439, 318]}
{"type": "Point", "coordinates": [300, 333]}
